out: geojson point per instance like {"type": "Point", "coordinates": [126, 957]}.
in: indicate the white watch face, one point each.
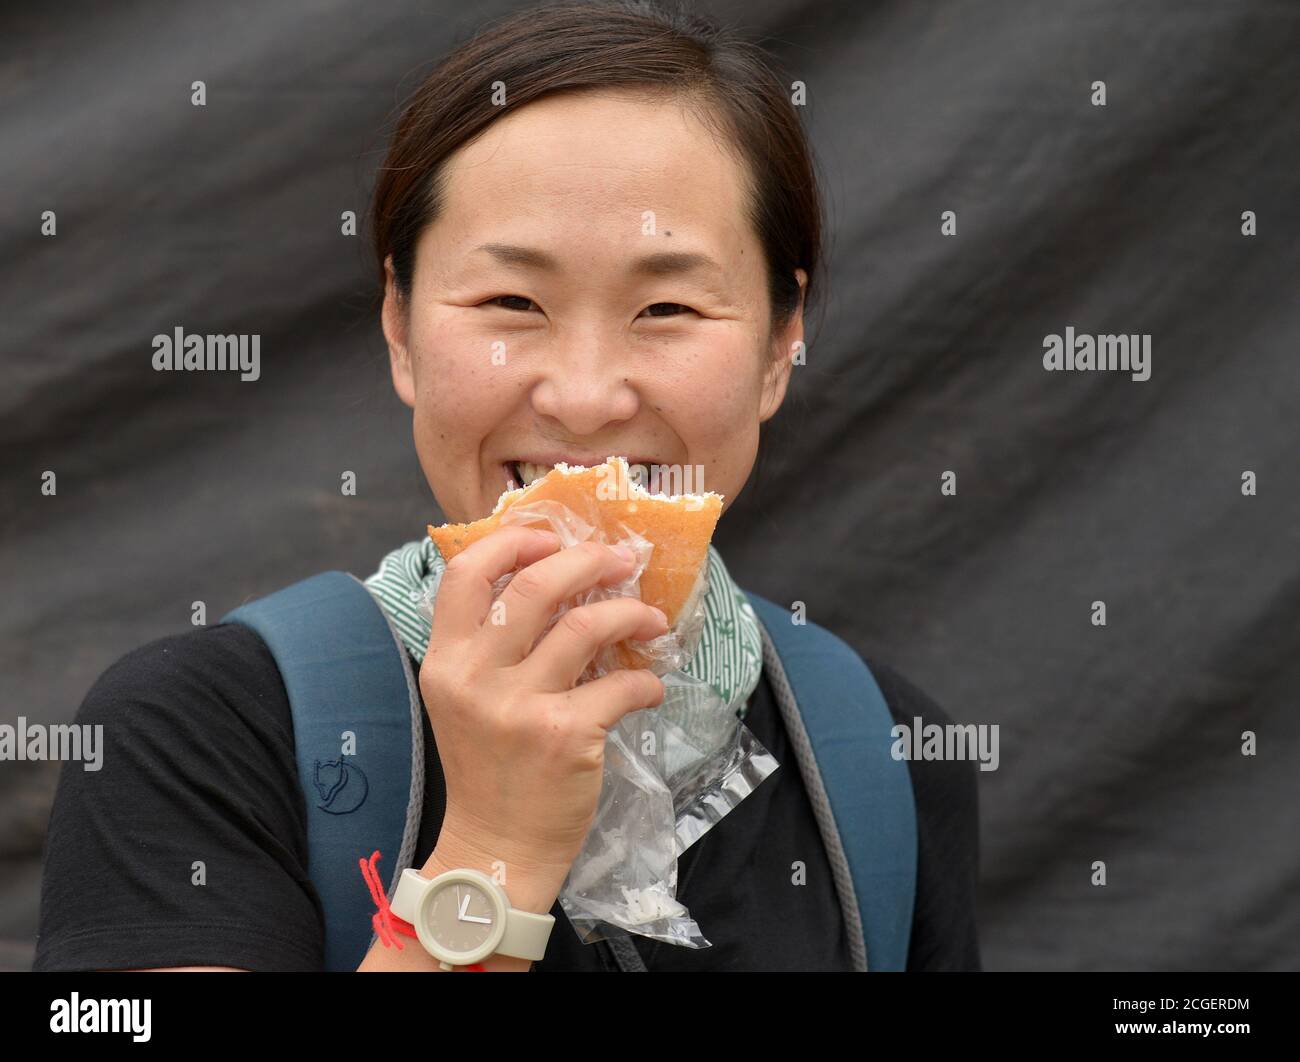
{"type": "Point", "coordinates": [461, 917]}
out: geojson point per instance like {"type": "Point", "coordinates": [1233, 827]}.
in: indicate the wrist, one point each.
{"type": "Point", "coordinates": [528, 886]}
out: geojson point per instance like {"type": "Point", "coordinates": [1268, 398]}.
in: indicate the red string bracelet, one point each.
{"type": "Point", "coordinates": [383, 920]}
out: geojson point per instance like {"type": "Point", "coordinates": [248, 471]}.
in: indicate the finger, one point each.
{"type": "Point", "coordinates": [607, 699]}
{"type": "Point", "coordinates": [464, 595]}
{"type": "Point", "coordinates": [561, 657]}
{"type": "Point", "coordinates": [536, 593]}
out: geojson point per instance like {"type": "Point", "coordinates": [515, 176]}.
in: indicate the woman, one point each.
{"type": "Point", "coordinates": [597, 228]}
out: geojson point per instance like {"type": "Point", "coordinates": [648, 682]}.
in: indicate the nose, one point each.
{"type": "Point", "coordinates": [585, 387]}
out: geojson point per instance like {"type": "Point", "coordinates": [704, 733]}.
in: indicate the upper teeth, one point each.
{"type": "Point", "coordinates": [530, 472]}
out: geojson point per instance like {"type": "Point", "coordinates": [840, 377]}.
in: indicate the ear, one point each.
{"type": "Point", "coordinates": [777, 378]}
{"type": "Point", "coordinates": [396, 320]}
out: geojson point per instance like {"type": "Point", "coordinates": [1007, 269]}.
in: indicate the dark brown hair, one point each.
{"type": "Point", "coordinates": [621, 44]}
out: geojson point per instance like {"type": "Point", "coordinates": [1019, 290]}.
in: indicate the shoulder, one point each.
{"type": "Point", "coordinates": [194, 774]}
{"type": "Point", "coordinates": [945, 786]}
{"type": "Point", "coordinates": [188, 712]}
{"type": "Point", "coordinates": [223, 671]}
{"type": "Point", "coordinates": [946, 791]}
{"type": "Point", "coordinates": [197, 651]}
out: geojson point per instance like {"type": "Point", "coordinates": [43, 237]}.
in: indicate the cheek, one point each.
{"type": "Point", "coordinates": [459, 392]}
{"type": "Point", "coordinates": [711, 402]}
{"type": "Point", "coordinates": [717, 394]}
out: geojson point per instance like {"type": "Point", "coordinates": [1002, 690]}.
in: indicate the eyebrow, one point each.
{"type": "Point", "coordinates": [660, 264]}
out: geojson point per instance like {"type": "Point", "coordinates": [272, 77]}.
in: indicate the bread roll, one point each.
{"type": "Point", "coordinates": [604, 496]}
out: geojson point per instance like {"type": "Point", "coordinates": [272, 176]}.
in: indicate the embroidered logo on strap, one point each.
{"type": "Point", "coordinates": [342, 786]}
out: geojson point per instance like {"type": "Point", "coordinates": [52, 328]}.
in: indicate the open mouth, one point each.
{"type": "Point", "coordinates": [522, 473]}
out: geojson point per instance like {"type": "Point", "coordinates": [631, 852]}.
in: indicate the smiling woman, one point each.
{"type": "Point", "coordinates": [538, 309]}
{"type": "Point", "coordinates": [597, 232]}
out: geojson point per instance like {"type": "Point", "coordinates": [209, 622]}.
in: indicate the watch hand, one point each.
{"type": "Point", "coordinates": [464, 905]}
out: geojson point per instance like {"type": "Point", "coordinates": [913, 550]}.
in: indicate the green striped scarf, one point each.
{"type": "Point", "coordinates": [729, 656]}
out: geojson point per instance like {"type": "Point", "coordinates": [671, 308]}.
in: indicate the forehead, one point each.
{"type": "Point", "coordinates": [592, 165]}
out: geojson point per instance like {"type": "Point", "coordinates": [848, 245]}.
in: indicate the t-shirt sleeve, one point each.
{"type": "Point", "coordinates": [187, 847]}
{"type": "Point", "coordinates": [945, 934]}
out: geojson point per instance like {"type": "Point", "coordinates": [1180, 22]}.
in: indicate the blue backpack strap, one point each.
{"type": "Point", "coordinates": [855, 781]}
{"type": "Point", "coordinates": [345, 669]}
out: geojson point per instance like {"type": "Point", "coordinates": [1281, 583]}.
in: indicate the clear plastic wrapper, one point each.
{"type": "Point", "coordinates": [664, 787]}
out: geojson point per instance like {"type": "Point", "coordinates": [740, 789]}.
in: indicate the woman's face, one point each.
{"type": "Point", "coordinates": [590, 288]}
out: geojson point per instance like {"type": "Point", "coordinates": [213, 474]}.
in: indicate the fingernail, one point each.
{"type": "Point", "coordinates": [661, 615]}
{"type": "Point", "coordinates": [624, 553]}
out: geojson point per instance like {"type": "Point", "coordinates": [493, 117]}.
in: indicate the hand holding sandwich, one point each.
{"type": "Point", "coordinates": [522, 749]}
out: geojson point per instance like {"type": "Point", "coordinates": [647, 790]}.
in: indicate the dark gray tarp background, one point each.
{"type": "Point", "coordinates": [1119, 743]}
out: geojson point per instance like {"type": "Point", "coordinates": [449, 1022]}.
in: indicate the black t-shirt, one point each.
{"type": "Point", "coordinates": [199, 778]}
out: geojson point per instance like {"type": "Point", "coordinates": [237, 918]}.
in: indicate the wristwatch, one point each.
{"type": "Point", "coordinates": [462, 916]}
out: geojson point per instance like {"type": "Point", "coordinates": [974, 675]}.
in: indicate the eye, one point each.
{"type": "Point", "coordinates": [671, 306]}
{"type": "Point", "coordinates": [500, 299]}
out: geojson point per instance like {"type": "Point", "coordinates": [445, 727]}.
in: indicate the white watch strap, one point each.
{"type": "Point", "coordinates": [410, 887]}
{"type": "Point", "coordinates": [526, 934]}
